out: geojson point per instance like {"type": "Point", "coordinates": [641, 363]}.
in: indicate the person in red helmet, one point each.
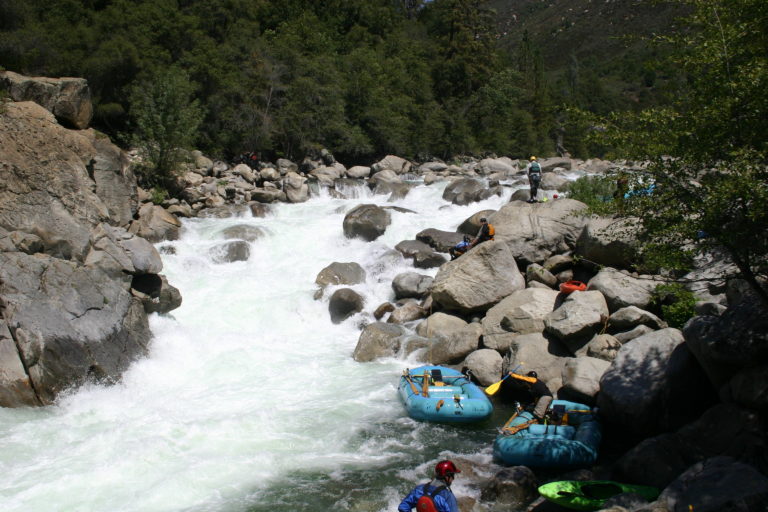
{"type": "Point", "coordinates": [435, 495]}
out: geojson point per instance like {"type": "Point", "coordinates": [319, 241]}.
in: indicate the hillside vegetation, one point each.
{"type": "Point", "coordinates": [361, 77]}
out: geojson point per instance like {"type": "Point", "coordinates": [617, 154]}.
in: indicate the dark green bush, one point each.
{"type": "Point", "coordinates": [594, 191]}
{"type": "Point", "coordinates": [677, 304]}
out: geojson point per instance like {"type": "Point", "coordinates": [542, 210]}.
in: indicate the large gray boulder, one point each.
{"type": "Point", "coordinates": [726, 344]}
{"type": "Point", "coordinates": [358, 171]}
{"type": "Point", "coordinates": [581, 379]}
{"type": "Point", "coordinates": [344, 303]}
{"type": "Point", "coordinates": [244, 232]}
{"type": "Point", "coordinates": [439, 240]}
{"type": "Point", "coordinates": [69, 99]}
{"type": "Point", "coordinates": [522, 312]}
{"type": "Point", "coordinates": [471, 226]}
{"type": "Point", "coordinates": [52, 198]}
{"type": "Point", "coordinates": [452, 347]}
{"type": "Point", "coordinates": [748, 388]}
{"type": "Point", "coordinates": [411, 285]}
{"type": "Point", "coordinates": [621, 289]}
{"type": "Point", "coordinates": [341, 273]}
{"type": "Point", "coordinates": [479, 279]}
{"type": "Point", "coordinates": [610, 242]}
{"type": "Point", "coordinates": [295, 187]}
{"type": "Point", "coordinates": [535, 352]}
{"type": "Point", "coordinates": [440, 325]}
{"type": "Point", "coordinates": [407, 311]}
{"type": "Point", "coordinates": [380, 179]}
{"type": "Point", "coordinates": [366, 221]}
{"type": "Point", "coordinates": [378, 340]}
{"type": "Point", "coordinates": [603, 346]}
{"type": "Point", "coordinates": [229, 252]}
{"type": "Point", "coordinates": [718, 484]}
{"type": "Point", "coordinates": [578, 319]}
{"type": "Point", "coordinates": [422, 255]}
{"type": "Point", "coordinates": [654, 384]}
{"type": "Point", "coordinates": [75, 286]}
{"type": "Point", "coordinates": [503, 166]}
{"type": "Point", "coordinates": [115, 250]}
{"type": "Point", "coordinates": [631, 316]}
{"type": "Point", "coordinates": [65, 338]}
{"type": "Point", "coordinates": [156, 224]}
{"type": "Point", "coordinates": [464, 191]}
{"type": "Point", "coordinates": [723, 430]}
{"type": "Point", "coordinates": [511, 488]}
{"type": "Point", "coordinates": [553, 181]}
{"type": "Point", "coordinates": [485, 365]}
{"type": "Point", "coordinates": [536, 232]}
{"type": "Point", "coordinates": [392, 163]}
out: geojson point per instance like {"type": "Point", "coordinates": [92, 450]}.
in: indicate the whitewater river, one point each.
{"type": "Point", "coordinates": [249, 399]}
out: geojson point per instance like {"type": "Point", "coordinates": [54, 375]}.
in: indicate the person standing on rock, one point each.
{"type": "Point", "coordinates": [486, 232]}
{"type": "Point", "coordinates": [435, 495]}
{"type": "Point", "coordinates": [534, 177]}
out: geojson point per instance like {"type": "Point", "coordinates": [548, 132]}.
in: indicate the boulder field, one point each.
{"type": "Point", "coordinates": [685, 409]}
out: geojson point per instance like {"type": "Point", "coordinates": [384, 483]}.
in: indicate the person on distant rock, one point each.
{"type": "Point", "coordinates": [529, 390]}
{"type": "Point", "coordinates": [460, 248]}
{"type": "Point", "coordinates": [435, 495]}
{"type": "Point", "coordinates": [486, 232]}
{"type": "Point", "coordinates": [622, 187]}
{"type": "Point", "coordinates": [534, 177]}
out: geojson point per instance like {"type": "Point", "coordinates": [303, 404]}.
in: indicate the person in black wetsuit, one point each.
{"type": "Point", "coordinates": [529, 391]}
{"type": "Point", "coordinates": [486, 232]}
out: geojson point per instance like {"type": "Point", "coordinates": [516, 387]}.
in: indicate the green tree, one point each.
{"type": "Point", "coordinates": [708, 150]}
{"type": "Point", "coordinates": [166, 119]}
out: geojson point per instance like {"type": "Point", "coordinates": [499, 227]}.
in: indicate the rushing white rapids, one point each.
{"type": "Point", "coordinates": [249, 399]}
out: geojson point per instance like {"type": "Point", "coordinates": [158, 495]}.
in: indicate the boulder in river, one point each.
{"type": "Point", "coordinates": [366, 221]}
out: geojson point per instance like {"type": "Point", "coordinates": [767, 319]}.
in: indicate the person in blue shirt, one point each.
{"type": "Point", "coordinates": [439, 489]}
{"type": "Point", "coordinates": [460, 248]}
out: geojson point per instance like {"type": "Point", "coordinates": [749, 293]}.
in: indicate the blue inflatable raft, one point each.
{"type": "Point", "coordinates": [444, 395]}
{"type": "Point", "coordinates": [568, 436]}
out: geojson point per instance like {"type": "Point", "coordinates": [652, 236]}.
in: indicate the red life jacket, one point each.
{"type": "Point", "coordinates": [426, 503]}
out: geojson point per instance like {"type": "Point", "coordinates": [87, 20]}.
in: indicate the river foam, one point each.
{"type": "Point", "coordinates": [249, 399]}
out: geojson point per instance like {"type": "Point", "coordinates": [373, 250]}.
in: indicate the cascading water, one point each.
{"type": "Point", "coordinates": [249, 399]}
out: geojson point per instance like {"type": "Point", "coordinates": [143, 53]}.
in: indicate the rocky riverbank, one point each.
{"type": "Point", "coordinates": [685, 408]}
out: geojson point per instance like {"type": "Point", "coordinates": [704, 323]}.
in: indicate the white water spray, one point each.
{"type": "Point", "coordinates": [249, 395]}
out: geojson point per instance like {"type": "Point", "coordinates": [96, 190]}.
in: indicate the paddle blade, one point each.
{"type": "Point", "coordinates": [493, 388]}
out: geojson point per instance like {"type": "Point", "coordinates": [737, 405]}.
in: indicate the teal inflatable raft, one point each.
{"type": "Point", "coordinates": [591, 494]}
{"type": "Point", "coordinates": [444, 395]}
{"type": "Point", "coordinates": [568, 436]}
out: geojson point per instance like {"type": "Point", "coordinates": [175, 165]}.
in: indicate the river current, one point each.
{"type": "Point", "coordinates": [249, 399]}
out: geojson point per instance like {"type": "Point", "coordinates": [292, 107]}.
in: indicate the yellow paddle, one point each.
{"type": "Point", "coordinates": [494, 388]}
{"type": "Point", "coordinates": [407, 377]}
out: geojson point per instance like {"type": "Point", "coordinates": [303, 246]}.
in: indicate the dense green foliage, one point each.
{"type": "Point", "coordinates": [708, 148]}
{"type": "Point", "coordinates": [166, 120]}
{"type": "Point", "coordinates": [361, 77]}
{"type": "Point", "coordinates": [677, 304]}
{"type": "Point", "coordinates": [597, 192]}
